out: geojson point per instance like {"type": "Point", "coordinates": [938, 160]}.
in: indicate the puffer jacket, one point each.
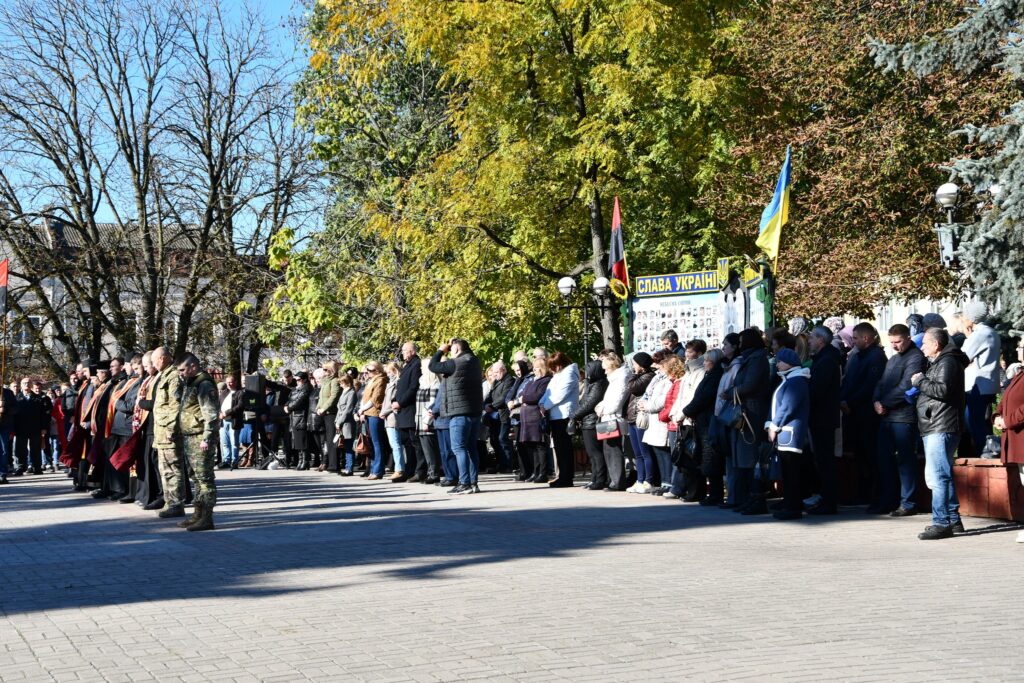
{"type": "Point", "coordinates": [940, 405]}
{"type": "Point", "coordinates": [594, 386]}
{"type": "Point", "coordinates": [199, 413]}
{"type": "Point", "coordinates": [615, 395]}
{"type": "Point", "coordinates": [464, 393]}
{"type": "Point", "coordinates": [657, 431]}
{"type": "Point", "coordinates": [298, 406]}
{"type": "Point", "coordinates": [791, 410]}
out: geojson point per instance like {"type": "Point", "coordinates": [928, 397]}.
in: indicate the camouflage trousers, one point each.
{"type": "Point", "coordinates": [170, 465]}
{"type": "Point", "coordinates": [204, 488]}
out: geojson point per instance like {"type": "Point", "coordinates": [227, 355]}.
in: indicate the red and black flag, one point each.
{"type": "Point", "coordinates": [4, 265]}
{"type": "Point", "coordinates": [617, 251]}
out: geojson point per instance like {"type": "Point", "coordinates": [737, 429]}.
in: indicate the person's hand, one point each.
{"type": "Point", "coordinates": [915, 377]}
{"type": "Point", "coordinates": [511, 405]}
{"type": "Point", "coordinates": [444, 348]}
{"type": "Point", "coordinates": [221, 415]}
{"type": "Point", "coordinates": [772, 433]}
{"type": "Point", "coordinates": [999, 423]}
{"type": "Point", "coordinates": [286, 409]}
{"type": "Point", "coordinates": [203, 446]}
{"type": "Point", "coordinates": [395, 406]}
{"type": "Point", "coordinates": [844, 408]}
{"type": "Point", "coordinates": [879, 408]}
{"type": "Point", "coordinates": [337, 439]}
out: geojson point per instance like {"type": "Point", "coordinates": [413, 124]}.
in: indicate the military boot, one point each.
{"type": "Point", "coordinates": [205, 521]}
{"type": "Point", "coordinates": [193, 519]}
{"type": "Point", "coordinates": [176, 510]}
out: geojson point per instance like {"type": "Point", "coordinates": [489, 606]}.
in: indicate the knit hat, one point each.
{"type": "Point", "coordinates": [798, 325]}
{"type": "Point", "coordinates": [643, 359]}
{"type": "Point", "coordinates": [934, 320]}
{"type": "Point", "coordinates": [835, 323]}
{"type": "Point", "coordinates": [788, 356]}
{"type": "Point", "coordinates": [975, 311]}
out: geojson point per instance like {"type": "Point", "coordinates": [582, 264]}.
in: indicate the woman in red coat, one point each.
{"type": "Point", "coordinates": [1009, 419]}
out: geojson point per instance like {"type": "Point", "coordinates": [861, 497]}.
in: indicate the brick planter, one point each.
{"type": "Point", "coordinates": [988, 488]}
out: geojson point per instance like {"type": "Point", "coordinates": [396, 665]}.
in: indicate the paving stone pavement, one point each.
{"type": "Point", "coordinates": [310, 576]}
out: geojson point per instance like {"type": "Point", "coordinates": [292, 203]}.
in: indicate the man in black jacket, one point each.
{"type": "Point", "coordinates": [497, 410]}
{"type": "Point", "coordinates": [940, 417]}
{"type": "Point", "coordinates": [298, 420]}
{"type": "Point", "coordinates": [825, 379]}
{"type": "Point", "coordinates": [898, 435]}
{"type": "Point", "coordinates": [463, 404]}
{"type": "Point", "coordinates": [864, 367]}
{"type": "Point", "coordinates": [122, 408]}
{"type": "Point", "coordinates": [404, 406]}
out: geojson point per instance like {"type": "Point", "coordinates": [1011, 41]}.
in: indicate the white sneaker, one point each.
{"type": "Point", "coordinates": [635, 488]}
{"type": "Point", "coordinates": [669, 495]}
{"type": "Point", "coordinates": [646, 487]}
{"type": "Point", "coordinates": [1020, 537]}
{"type": "Point", "coordinates": [813, 500]}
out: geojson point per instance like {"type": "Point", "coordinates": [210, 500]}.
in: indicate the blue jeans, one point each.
{"type": "Point", "coordinates": [375, 426]}
{"type": "Point", "coordinates": [463, 431]}
{"type": "Point", "coordinates": [939, 450]}
{"type": "Point", "coordinates": [663, 458]}
{"type": "Point", "coordinates": [643, 456]}
{"type": "Point", "coordinates": [448, 463]}
{"type": "Point", "coordinates": [977, 418]}
{"type": "Point", "coordinates": [395, 439]}
{"type": "Point", "coordinates": [228, 443]}
{"type": "Point", "coordinates": [896, 465]}
{"type": "Point", "coordinates": [5, 452]}
{"type": "Point", "coordinates": [345, 446]}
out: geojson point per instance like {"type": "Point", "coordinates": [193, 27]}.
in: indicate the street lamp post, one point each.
{"type": "Point", "coordinates": [567, 287]}
{"type": "Point", "coordinates": [949, 199]}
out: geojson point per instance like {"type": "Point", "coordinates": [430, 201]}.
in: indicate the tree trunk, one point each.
{"type": "Point", "coordinates": [610, 335]}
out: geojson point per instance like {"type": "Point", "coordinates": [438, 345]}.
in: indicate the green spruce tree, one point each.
{"type": "Point", "coordinates": [992, 250]}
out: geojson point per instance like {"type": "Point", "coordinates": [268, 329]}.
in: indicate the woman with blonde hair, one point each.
{"type": "Point", "coordinates": [387, 413]}
{"type": "Point", "coordinates": [610, 410]}
{"type": "Point", "coordinates": [327, 409]}
{"type": "Point", "coordinates": [369, 411]}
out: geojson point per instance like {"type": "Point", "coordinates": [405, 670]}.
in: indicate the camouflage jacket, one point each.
{"type": "Point", "coordinates": [165, 407]}
{"type": "Point", "coordinates": [199, 407]}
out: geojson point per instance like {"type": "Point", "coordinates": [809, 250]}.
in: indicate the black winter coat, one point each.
{"type": "Point", "coordinates": [825, 383]}
{"type": "Point", "coordinates": [298, 408]}
{"type": "Point", "coordinates": [940, 405]}
{"type": "Point", "coordinates": [405, 393]}
{"type": "Point", "coordinates": [863, 370]}
{"type": "Point", "coordinates": [495, 400]}
{"type": "Point", "coordinates": [892, 388]}
{"type": "Point", "coordinates": [124, 409]}
{"type": "Point", "coordinates": [594, 386]}
{"type": "Point", "coordinates": [314, 421]}
{"type": "Point", "coordinates": [464, 391]}
{"type": "Point", "coordinates": [753, 383]}
{"type": "Point", "coordinates": [702, 406]}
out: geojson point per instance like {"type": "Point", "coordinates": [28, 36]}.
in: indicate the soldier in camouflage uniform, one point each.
{"type": "Point", "coordinates": [166, 439]}
{"type": "Point", "coordinates": [198, 424]}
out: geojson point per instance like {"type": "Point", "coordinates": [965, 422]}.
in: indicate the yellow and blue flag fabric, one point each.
{"type": "Point", "coordinates": [776, 214]}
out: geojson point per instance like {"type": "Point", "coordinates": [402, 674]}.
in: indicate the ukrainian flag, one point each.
{"type": "Point", "coordinates": [776, 214]}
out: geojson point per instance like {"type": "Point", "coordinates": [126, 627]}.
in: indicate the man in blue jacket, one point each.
{"type": "Point", "coordinates": [898, 435]}
{"type": "Point", "coordinates": [864, 367]}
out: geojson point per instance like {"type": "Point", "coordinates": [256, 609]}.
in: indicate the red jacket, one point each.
{"type": "Point", "coordinates": [670, 398]}
{"type": "Point", "coordinates": [1011, 407]}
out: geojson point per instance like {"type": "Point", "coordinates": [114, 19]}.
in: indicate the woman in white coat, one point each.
{"type": "Point", "coordinates": [610, 409]}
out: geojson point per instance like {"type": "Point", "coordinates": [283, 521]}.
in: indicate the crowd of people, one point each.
{"type": "Point", "coordinates": [722, 427]}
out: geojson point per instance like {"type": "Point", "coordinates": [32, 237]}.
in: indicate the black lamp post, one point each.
{"type": "Point", "coordinates": [601, 286]}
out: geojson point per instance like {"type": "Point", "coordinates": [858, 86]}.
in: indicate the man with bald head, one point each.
{"type": "Point", "coordinates": [165, 433]}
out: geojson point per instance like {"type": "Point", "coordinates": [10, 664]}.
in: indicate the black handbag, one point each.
{"type": "Point", "coordinates": [608, 429]}
{"type": "Point", "coordinates": [684, 453]}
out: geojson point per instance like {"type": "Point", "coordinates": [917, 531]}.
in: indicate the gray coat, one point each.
{"type": "Point", "coordinates": [345, 422]}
